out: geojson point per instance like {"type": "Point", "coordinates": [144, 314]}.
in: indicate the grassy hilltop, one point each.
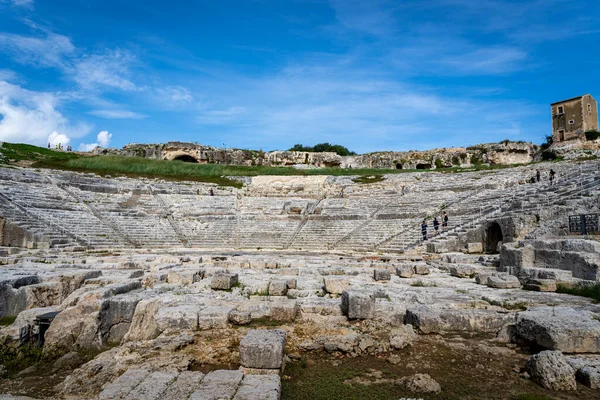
{"type": "Point", "coordinates": [39, 157]}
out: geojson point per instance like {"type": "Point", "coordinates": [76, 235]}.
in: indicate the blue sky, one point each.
{"type": "Point", "coordinates": [370, 75]}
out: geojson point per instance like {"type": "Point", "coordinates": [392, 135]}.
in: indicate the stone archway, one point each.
{"type": "Point", "coordinates": [493, 236]}
{"type": "Point", "coordinates": [423, 166]}
{"type": "Point", "coordinates": [398, 166]}
{"type": "Point", "coordinates": [185, 158]}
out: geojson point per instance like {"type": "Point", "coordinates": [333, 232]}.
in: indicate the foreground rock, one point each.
{"type": "Point", "coordinates": [262, 349]}
{"type": "Point", "coordinates": [560, 328]}
{"type": "Point", "coordinates": [551, 370]}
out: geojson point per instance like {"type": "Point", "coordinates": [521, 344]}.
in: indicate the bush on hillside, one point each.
{"type": "Point", "coordinates": [323, 148]}
{"type": "Point", "coordinates": [592, 135]}
{"type": "Point", "coordinates": [548, 155]}
{"type": "Point", "coordinates": [548, 143]}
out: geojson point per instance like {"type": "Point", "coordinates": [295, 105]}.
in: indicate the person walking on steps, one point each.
{"type": "Point", "coordinates": [551, 176]}
{"type": "Point", "coordinates": [424, 229]}
{"type": "Point", "coordinates": [436, 224]}
{"type": "Point", "coordinates": [538, 175]}
{"type": "Point", "coordinates": [444, 220]}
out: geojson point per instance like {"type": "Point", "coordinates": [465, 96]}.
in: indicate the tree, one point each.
{"type": "Point", "coordinates": [324, 147]}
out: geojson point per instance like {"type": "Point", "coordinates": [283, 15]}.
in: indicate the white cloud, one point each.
{"type": "Point", "coordinates": [102, 140]}
{"type": "Point", "coordinates": [19, 3]}
{"type": "Point", "coordinates": [49, 50]}
{"type": "Point", "coordinates": [30, 117]}
{"type": "Point", "coordinates": [175, 94]}
{"type": "Point", "coordinates": [108, 70]}
{"type": "Point", "coordinates": [116, 114]}
{"type": "Point", "coordinates": [58, 138]}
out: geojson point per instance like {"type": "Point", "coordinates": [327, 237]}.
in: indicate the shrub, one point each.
{"type": "Point", "coordinates": [324, 147]}
{"type": "Point", "coordinates": [547, 143]}
{"type": "Point", "coordinates": [548, 155]}
{"type": "Point", "coordinates": [475, 159]}
{"type": "Point", "coordinates": [592, 135]}
{"type": "Point", "coordinates": [438, 163]}
{"type": "Point", "coordinates": [455, 160]}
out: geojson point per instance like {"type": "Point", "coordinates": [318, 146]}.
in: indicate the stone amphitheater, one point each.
{"type": "Point", "coordinates": [146, 289]}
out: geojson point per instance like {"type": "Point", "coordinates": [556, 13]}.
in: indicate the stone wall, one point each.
{"type": "Point", "coordinates": [504, 153]}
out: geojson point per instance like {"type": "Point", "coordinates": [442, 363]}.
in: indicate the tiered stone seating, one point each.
{"type": "Point", "coordinates": [69, 208]}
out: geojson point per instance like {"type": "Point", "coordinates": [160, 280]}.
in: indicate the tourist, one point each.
{"type": "Point", "coordinates": [48, 145]}
{"type": "Point", "coordinates": [212, 192]}
{"type": "Point", "coordinates": [444, 220]}
{"type": "Point", "coordinates": [537, 175]}
{"type": "Point", "coordinates": [342, 193]}
{"type": "Point", "coordinates": [551, 176]}
{"type": "Point", "coordinates": [436, 224]}
{"type": "Point", "coordinates": [424, 229]}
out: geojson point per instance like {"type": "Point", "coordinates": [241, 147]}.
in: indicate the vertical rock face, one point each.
{"type": "Point", "coordinates": [560, 328]}
{"type": "Point", "coordinates": [263, 349]}
{"type": "Point", "coordinates": [358, 305]}
{"type": "Point", "coordinates": [551, 370]}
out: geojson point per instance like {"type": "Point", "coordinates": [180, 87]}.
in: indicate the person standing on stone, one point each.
{"type": "Point", "coordinates": [444, 220]}
{"type": "Point", "coordinates": [212, 192]}
{"type": "Point", "coordinates": [436, 224]}
{"type": "Point", "coordinates": [424, 229]}
{"type": "Point", "coordinates": [537, 175]}
{"type": "Point", "coordinates": [551, 176]}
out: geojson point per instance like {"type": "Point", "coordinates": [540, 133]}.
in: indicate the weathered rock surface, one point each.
{"type": "Point", "coordinates": [357, 304]}
{"type": "Point", "coordinates": [262, 349]}
{"type": "Point", "coordinates": [560, 328]}
{"type": "Point", "coordinates": [429, 320]}
{"type": "Point", "coordinates": [551, 370]}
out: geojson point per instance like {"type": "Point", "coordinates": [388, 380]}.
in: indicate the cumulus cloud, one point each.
{"type": "Point", "coordinates": [102, 140]}
{"type": "Point", "coordinates": [58, 138]}
{"type": "Point", "coordinates": [31, 117]}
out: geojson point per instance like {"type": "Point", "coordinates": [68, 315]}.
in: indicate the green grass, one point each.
{"type": "Point", "coordinates": [591, 291]}
{"type": "Point", "coordinates": [531, 397]}
{"type": "Point", "coordinates": [11, 152]}
{"type": "Point", "coordinates": [5, 321]}
{"type": "Point", "coordinates": [219, 174]}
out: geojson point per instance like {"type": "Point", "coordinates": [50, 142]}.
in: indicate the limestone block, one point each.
{"type": "Point", "coordinates": [335, 285]}
{"type": "Point", "coordinates": [344, 343]}
{"type": "Point", "coordinates": [278, 288]}
{"type": "Point", "coordinates": [153, 386]}
{"type": "Point", "coordinates": [262, 349]}
{"type": "Point", "coordinates": [382, 274]}
{"type": "Point", "coordinates": [284, 310]}
{"type": "Point", "coordinates": [184, 276]}
{"type": "Point", "coordinates": [462, 271]}
{"type": "Point", "coordinates": [124, 384]}
{"type": "Point", "coordinates": [473, 248]}
{"type": "Point", "coordinates": [292, 283]}
{"type": "Point", "coordinates": [263, 387]}
{"type": "Point", "coordinates": [430, 320]}
{"type": "Point", "coordinates": [503, 282]}
{"type": "Point", "coordinates": [420, 383]}
{"type": "Point", "coordinates": [143, 325]}
{"type": "Point", "coordinates": [213, 317]}
{"type": "Point", "coordinates": [405, 272]}
{"type": "Point", "coordinates": [357, 304]}
{"type": "Point", "coordinates": [560, 328]}
{"type": "Point", "coordinates": [187, 382]}
{"type": "Point", "coordinates": [136, 274]}
{"type": "Point", "coordinates": [177, 318]}
{"type": "Point", "coordinates": [116, 315]}
{"type": "Point", "coordinates": [551, 370]}
{"type": "Point", "coordinates": [422, 269]}
{"type": "Point", "coordinates": [239, 317]}
{"type": "Point", "coordinates": [217, 385]}
{"type": "Point", "coordinates": [402, 336]}
{"type": "Point", "coordinates": [541, 285]}
{"type": "Point", "coordinates": [589, 376]}
{"type": "Point", "coordinates": [224, 281]}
